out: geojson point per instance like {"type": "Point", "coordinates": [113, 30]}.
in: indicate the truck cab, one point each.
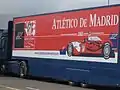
{"type": "Point", "coordinates": [3, 47]}
{"type": "Point", "coordinates": [3, 44]}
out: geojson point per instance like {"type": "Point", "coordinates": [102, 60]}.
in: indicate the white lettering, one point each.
{"type": "Point", "coordinates": [107, 20]}
{"type": "Point", "coordinates": [94, 21]}
{"type": "Point", "coordinates": [65, 23]}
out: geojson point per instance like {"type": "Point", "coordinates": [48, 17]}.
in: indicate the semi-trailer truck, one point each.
{"type": "Point", "coordinates": [80, 45]}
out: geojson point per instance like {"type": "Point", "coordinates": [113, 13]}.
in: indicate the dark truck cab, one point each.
{"type": "Point", "coordinates": [5, 46]}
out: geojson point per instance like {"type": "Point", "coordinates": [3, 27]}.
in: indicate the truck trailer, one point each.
{"type": "Point", "coordinates": [79, 46]}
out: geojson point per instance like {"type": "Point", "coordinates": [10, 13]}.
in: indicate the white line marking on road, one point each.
{"type": "Point", "coordinates": [11, 88]}
{"type": "Point", "coordinates": [30, 88]}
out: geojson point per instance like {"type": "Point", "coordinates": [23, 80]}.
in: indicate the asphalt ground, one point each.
{"type": "Point", "coordinates": [16, 83]}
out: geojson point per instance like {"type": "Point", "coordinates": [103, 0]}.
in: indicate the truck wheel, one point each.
{"type": "Point", "coordinates": [71, 83]}
{"type": "Point", "coordinates": [23, 69]}
{"type": "Point", "coordinates": [83, 85]}
{"type": "Point", "coordinates": [106, 50]}
{"type": "Point", "coordinates": [3, 69]}
{"type": "Point", "coordinates": [70, 49]}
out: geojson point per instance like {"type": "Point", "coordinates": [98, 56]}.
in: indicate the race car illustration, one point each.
{"type": "Point", "coordinates": [91, 46]}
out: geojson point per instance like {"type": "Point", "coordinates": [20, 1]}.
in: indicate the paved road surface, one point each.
{"type": "Point", "coordinates": [14, 83]}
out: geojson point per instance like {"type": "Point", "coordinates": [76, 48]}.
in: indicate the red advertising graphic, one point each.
{"type": "Point", "coordinates": [30, 30]}
{"type": "Point", "coordinates": [75, 35]}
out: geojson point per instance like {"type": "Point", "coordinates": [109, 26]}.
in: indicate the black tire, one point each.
{"type": "Point", "coordinates": [23, 69]}
{"type": "Point", "coordinates": [106, 50]}
{"type": "Point", "coordinates": [3, 69]}
{"type": "Point", "coordinates": [70, 50]}
{"type": "Point", "coordinates": [83, 85]}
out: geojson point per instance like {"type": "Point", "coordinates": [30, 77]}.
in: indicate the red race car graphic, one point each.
{"type": "Point", "coordinates": [92, 45]}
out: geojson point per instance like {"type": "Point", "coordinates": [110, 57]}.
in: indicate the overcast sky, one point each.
{"type": "Point", "coordinates": [10, 8]}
